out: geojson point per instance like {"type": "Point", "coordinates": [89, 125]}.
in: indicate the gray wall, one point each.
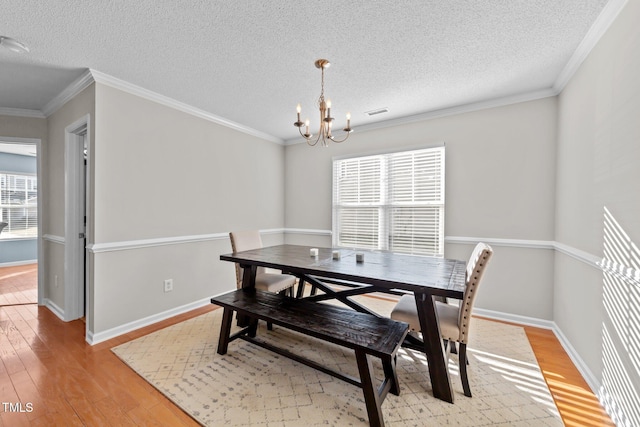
{"type": "Point", "coordinates": [167, 189]}
{"type": "Point", "coordinates": [53, 206]}
{"type": "Point", "coordinates": [500, 185]}
{"type": "Point", "coordinates": [598, 212]}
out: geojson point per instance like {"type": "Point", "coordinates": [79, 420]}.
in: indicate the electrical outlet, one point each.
{"type": "Point", "coordinates": [168, 285]}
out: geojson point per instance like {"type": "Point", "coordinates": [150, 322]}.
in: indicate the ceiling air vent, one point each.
{"type": "Point", "coordinates": [378, 111]}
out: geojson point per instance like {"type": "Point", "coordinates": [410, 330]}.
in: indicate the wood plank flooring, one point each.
{"type": "Point", "coordinates": [47, 363]}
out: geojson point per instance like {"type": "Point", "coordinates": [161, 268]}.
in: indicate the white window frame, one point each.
{"type": "Point", "coordinates": [353, 199]}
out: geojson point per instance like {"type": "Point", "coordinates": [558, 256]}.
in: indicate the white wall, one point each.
{"type": "Point", "coordinates": [168, 187]}
{"type": "Point", "coordinates": [598, 159]}
{"type": "Point", "coordinates": [500, 184]}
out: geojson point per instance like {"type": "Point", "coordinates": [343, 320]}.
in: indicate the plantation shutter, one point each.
{"type": "Point", "coordinates": [390, 202]}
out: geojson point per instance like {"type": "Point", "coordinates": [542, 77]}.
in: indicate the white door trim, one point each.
{"type": "Point", "coordinates": [38, 143]}
{"type": "Point", "coordinates": [74, 199]}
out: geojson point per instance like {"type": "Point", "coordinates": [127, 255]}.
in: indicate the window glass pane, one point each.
{"type": "Point", "coordinates": [18, 206]}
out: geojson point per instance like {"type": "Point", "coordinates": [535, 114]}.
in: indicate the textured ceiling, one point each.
{"type": "Point", "coordinates": [251, 62]}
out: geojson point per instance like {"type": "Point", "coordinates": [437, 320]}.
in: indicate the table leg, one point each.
{"type": "Point", "coordinates": [436, 356]}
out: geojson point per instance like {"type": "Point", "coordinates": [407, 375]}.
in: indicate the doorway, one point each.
{"type": "Point", "coordinates": [20, 221]}
{"type": "Point", "coordinates": [76, 173]}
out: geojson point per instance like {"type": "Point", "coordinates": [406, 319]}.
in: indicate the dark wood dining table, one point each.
{"type": "Point", "coordinates": [426, 277]}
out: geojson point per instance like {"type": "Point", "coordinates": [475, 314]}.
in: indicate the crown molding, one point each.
{"type": "Point", "coordinates": [451, 111]}
{"type": "Point", "coordinates": [80, 84]}
{"type": "Point", "coordinates": [130, 88]}
{"type": "Point", "coordinates": [19, 112]}
{"type": "Point", "coordinates": [609, 13]}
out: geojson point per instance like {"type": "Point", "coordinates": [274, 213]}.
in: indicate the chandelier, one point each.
{"type": "Point", "coordinates": [326, 121]}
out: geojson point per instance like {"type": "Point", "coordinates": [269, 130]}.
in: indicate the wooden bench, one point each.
{"type": "Point", "coordinates": [366, 334]}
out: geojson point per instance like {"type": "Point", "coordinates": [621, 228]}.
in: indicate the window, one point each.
{"type": "Point", "coordinates": [18, 205]}
{"type": "Point", "coordinates": [390, 202]}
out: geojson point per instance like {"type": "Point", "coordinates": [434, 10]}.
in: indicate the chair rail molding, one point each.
{"type": "Point", "coordinates": [53, 239]}
{"type": "Point", "coordinates": [590, 259]}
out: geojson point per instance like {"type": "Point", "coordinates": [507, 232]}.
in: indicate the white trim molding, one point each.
{"type": "Point", "coordinates": [55, 309]}
{"type": "Point", "coordinates": [513, 243]}
{"type": "Point", "coordinates": [514, 318]}
{"type": "Point", "coordinates": [452, 111]}
{"type": "Point", "coordinates": [18, 263]}
{"type": "Point", "coordinates": [53, 239]}
{"type": "Point", "coordinates": [587, 258]}
{"type": "Point", "coordinates": [309, 232]}
{"type": "Point", "coordinates": [609, 13]}
{"type": "Point", "coordinates": [586, 373]}
{"type": "Point", "coordinates": [80, 84]}
{"type": "Point", "coordinates": [148, 243]}
{"type": "Point", "coordinates": [95, 248]}
{"type": "Point", "coordinates": [19, 112]}
{"type": "Point", "coordinates": [99, 337]}
{"type": "Point", "coordinates": [124, 86]}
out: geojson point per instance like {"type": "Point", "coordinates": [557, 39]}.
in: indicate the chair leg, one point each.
{"type": "Point", "coordinates": [463, 369]}
{"type": "Point", "coordinates": [452, 344]}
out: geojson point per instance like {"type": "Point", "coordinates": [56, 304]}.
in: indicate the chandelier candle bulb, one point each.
{"type": "Point", "coordinates": [298, 109]}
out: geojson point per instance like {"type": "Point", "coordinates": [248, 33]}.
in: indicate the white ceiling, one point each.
{"type": "Point", "coordinates": [251, 62]}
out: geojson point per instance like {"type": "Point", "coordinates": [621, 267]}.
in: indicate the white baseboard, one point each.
{"type": "Point", "coordinates": [17, 263]}
{"type": "Point", "coordinates": [592, 381]}
{"type": "Point", "coordinates": [54, 308]}
{"type": "Point", "coordinates": [99, 337]}
{"type": "Point", "coordinates": [586, 373]}
{"type": "Point", "coordinates": [514, 318]}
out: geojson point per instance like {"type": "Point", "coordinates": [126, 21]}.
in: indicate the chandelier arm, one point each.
{"type": "Point", "coordinates": [309, 139]}
{"type": "Point", "coordinates": [338, 141]}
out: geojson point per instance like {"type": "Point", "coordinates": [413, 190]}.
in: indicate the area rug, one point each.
{"type": "Point", "coordinates": [251, 386]}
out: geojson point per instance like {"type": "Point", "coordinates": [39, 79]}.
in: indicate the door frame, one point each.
{"type": "Point", "coordinates": [40, 254]}
{"type": "Point", "coordinates": [75, 190]}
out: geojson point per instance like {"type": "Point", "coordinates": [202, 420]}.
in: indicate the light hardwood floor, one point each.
{"type": "Point", "coordinates": [62, 381]}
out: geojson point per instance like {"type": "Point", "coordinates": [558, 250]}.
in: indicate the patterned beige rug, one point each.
{"type": "Point", "coordinates": [252, 386]}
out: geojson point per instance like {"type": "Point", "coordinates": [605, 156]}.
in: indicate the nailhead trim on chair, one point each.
{"type": "Point", "coordinates": [469, 295]}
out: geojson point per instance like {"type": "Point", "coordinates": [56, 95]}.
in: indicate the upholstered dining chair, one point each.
{"type": "Point", "coordinates": [3, 225]}
{"type": "Point", "coordinates": [454, 320]}
{"type": "Point", "coordinates": [265, 280]}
